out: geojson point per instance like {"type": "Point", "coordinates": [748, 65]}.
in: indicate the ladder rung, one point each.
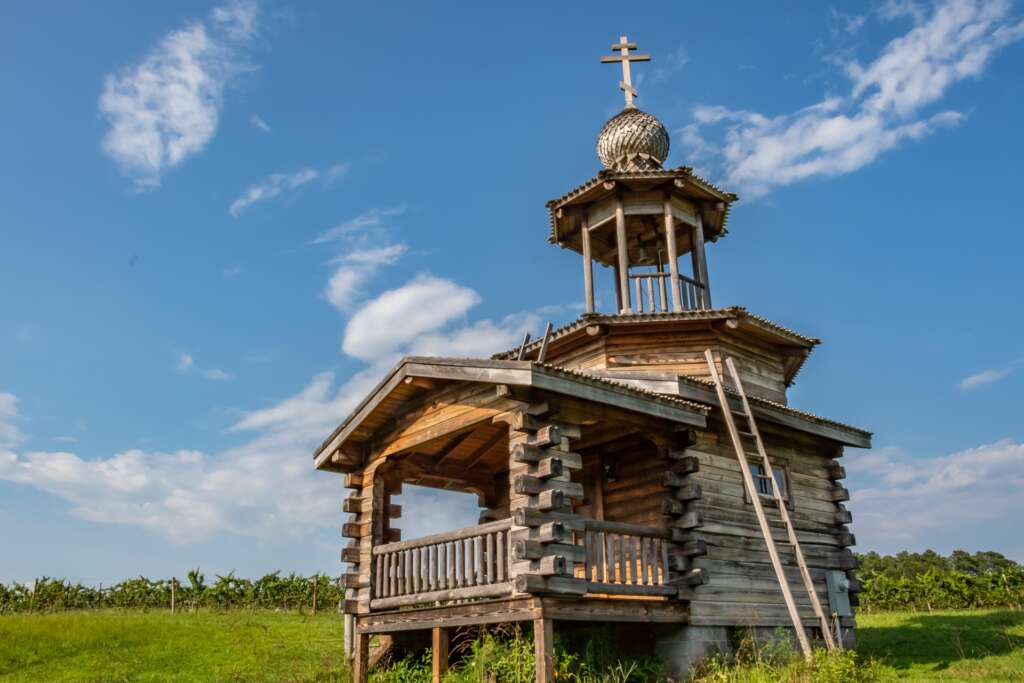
{"type": "Point", "coordinates": [748, 435]}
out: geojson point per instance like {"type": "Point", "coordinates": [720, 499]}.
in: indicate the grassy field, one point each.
{"type": "Point", "coordinates": [267, 646]}
{"type": "Point", "coordinates": [969, 645]}
{"type": "Point", "coordinates": [159, 646]}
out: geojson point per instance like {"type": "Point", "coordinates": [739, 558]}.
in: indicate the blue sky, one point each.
{"type": "Point", "coordinates": [221, 223]}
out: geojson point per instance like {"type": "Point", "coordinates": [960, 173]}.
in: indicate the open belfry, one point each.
{"type": "Point", "coordinates": [639, 468]}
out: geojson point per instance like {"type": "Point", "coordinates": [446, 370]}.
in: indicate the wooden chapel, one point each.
{"type": "Point", "coordinates": [639, 466]}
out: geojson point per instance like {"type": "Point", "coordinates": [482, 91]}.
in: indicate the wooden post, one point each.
{"type": "Point", "coordinates": [173, 582]}
{"type": "Point", "coordinates": [588, 265]}
{"type": "Point", "coordinates": [543, 635]}
{"type": "Point", "coordinates": [622, 248]}
{"type": "Point", "coordinates": [700, 263]}
{"type": "Point", "coordinates": [361, 663]}
{"type": "Point", "coordinates": [673, 254]}
{"type": "Point", "coordinates": [348, 639]}
{"type": "Point", "coordinates": [439, 653]}
{"type": "Point", "coordinates": [314, 596]}
{"type": "Point", "coordinates": [618, 292]}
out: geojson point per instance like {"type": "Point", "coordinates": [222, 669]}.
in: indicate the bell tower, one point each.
{"type": "Point", "coordinates": [639, 218]}
{"type": "Point", "coordinates": [649, 312]}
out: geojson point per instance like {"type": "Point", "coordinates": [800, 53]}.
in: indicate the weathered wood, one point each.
{"type": "Point", "coordinates": [353, 481]}
{"type": "Point", "coordinates": [463, 593]}
{"type": "Point", "coordinates": [438, 653]}
{"type": "Point", "coordinates": [361, 661]}
{"type": "Point", "coordinates": [527, 485]}
{"type": "Point", "coordinates": [547, 468]}
{"type": "Point", "coordinates": [459, 534]}
{"type": "Point", "coordinates": [588, 266]}
{"type": "Point", "coordinates": [840, 494]}
{"type": "Point", "coordinates": [756, 500]}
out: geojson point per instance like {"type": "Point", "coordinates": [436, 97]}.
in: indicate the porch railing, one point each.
{"type": "Point", "coordinates": [625, 559]}
{"type": "Point", "coordinates": [652, 293]}
{"type": "Point", "coordinates": [458, 565]}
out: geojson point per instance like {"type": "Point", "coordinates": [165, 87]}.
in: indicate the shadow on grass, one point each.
{"type": "Point", "coordinates": [937, 641]}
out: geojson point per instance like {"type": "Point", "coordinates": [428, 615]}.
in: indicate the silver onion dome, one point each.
{"type": "Point", "coordinates": [632, 140]}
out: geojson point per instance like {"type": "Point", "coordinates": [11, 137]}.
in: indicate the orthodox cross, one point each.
{"type": "Point", "coordinates": [626, 84]}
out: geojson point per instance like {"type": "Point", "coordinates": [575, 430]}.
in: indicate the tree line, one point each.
{"type": "Point", "coordinates": [272, 591]}
{"type": "Point", "coordinates": [929, 581]}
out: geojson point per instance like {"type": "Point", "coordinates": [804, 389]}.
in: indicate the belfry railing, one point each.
{"type": "Point", "coordinates": [651, 293]}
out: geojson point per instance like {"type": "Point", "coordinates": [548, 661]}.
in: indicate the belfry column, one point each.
{"type": "Point", "coordinates": [622, 249]}
{"type": "Point", "coordinates": [588, 264]}
{"type": "Point", "coordinates": [700, 263]}
{"type": "Point", "coordinates": [673, 254]}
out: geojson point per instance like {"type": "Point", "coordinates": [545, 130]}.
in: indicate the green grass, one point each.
{"type": "Point", "coordinates": [981, 645]}
{"type": "Point", "coordinates": [968, 645]}
{"type": "Point", "coordinates": [158, 646]}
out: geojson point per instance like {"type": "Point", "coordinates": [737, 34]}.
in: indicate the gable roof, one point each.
{"type": "Point", "coordinates": [516, 373]}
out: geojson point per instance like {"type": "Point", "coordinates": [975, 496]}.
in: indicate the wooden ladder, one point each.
{"type": "Point", "coordinates": [748, 480]}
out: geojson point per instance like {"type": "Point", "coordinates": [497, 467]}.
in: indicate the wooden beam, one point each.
{"type": "Point", "coordinates": [439, 653]}
{"type": "Point", "coordinates": [588, 267]}
{"type": "Point", "coordinates": [700, 263]}
{"type": "Point", "coordinates": [673, 254]}
{"type": "Point", "coordinates": [543, 650]}
{"type": "Point", "coordinates": [622, 248]}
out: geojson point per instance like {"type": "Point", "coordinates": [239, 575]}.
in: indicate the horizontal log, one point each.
{"type": "Point", "coordinates": [547, 468]}
{"type": "Point", "coordinates": [847, 560]}
{"type": "Point", "coordinates": [522, 452]}
{"type": "Point", "coordinates": [685, 464]}
{"type": "Point", "coordinates": [493, 590]}
{"type": "Point", "coordinates": [552, 499]}
{"type": "Point", "coordinates": [521, 421]}
{"type": "Point", "coordinates": [550, 585]}
{"type": "Point", "coordinates": [352, 505]}
{"type": "Point", "coordinates": [534, 550]}
{"type": "Point", "coordinates": [694, 548]}
{"type": "Point", "coordinates": [688, 520]}
{"type": "Point", "coordinates": [843, 516]}
{"type": "Point", "coordinates": [350, 555]}
{"type": "Point", "coordinates": [354, 481]}
{"type": "Point", "coordinates": [349, 606]}
{"type": "Point", "coordinates": [552, 532]}
{"type": "Point", "coordinates": [691, 577]}
{"type": "Point", "coordinates": [690, 491]}
{"type": "Point", "coordinates": [435, 539]}
{"type": "Point", "coordinates": [836, 471]}
{"type": "Point", "coordinates": [845, 538]}
{"type": "Point", "coordinates": [392, 535]}
{"type": "Point", "coordinates": [394, 511]}
{"type": "Point", "coordinates": [684, 438]}
{"type": "Point", "coordinates": [839, 494]}
{"type": "Point", "coordinates": [626, 529]}
{"type": "Point", "coordinates": [351, 530]}
{"type": "Point", "coordinates": [596, 587]}
{"type": "Point", "coordinates": [524, 484]}
{"type": "Point", "coordinates": [350, 581]}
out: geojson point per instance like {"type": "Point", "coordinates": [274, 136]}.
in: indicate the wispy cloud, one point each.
{"type": "Point", "coordinates": [850, 24]}
{"type": "Point", "coordinates": [186, 364]}
{"type": "Point", "coordinates": [272, 186]}
{"type": "Point", "coordinates": [232, 271]}
{"type": "Point", "coordinates": [166, 108]}
{"type": "Point", "coordinates": [883, 109]}
{"type": "Point", "coordinates": [257, 121]}
{"type": "Point", "coordinates": [941, 501]}
{"type": "Point", "coordinates": [355, 267]}
{"type": "Point", "coordinates": [990, 376]}
{"type": "Point", "coordinates": [10, 434]}
{"type": "Point", "coordinates": [368, 220]}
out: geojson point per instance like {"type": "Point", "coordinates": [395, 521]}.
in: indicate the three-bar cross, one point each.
{"type": "Point", "coordinates": [626, 84]}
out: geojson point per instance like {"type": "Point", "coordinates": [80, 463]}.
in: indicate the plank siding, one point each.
{"type": "Point", "coordinates": [741, 587]}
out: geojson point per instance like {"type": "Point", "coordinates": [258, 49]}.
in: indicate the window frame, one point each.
{"type": "Point", "coordinates": [787, 494]}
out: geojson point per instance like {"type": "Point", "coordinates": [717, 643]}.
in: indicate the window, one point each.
{"type": "Point", "coordinates": [763, 484]}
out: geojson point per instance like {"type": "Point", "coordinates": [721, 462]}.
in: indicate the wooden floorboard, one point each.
{"type": "Point", "coordinates": [524, 609]}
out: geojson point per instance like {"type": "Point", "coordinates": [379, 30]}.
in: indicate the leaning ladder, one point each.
{"type": "Point", "coordinates": [748, 480]}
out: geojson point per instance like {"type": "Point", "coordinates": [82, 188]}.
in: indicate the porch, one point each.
{"type": "Point", "coordinates": [599, 559]}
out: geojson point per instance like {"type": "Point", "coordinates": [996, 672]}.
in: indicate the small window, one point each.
{"type": "Point", "coordinates": [763, 484]}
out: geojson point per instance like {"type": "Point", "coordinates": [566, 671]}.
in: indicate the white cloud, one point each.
{"type": "Point", "coordinates": [850, 24]}
{"type": "Point", "coordinates": [990, 376]}
{"type": "Point", "coordinates": [166, 108]}
{"type": "Point", "coordinates": [270, 187]}
{"type": "Point", "coordinates": [64, 439]}
{"type": "Point", "coordinates": [186, 364]}
{"type": "Point", "coordinates": [838, 135]}
{"type": "Point", "coordinates": [945, 501]}
{"type": "Point", "coordinates": [387, 323]}
{"type": "Point", "coordinates": [333, 173]}
{"type": "Point", "coordinates": [355, 267]}
{"type": "Point", "coordinates": [368, 220]}
{"type": "Point", "coordinates": [232, 271]}
{"type": "Point", "coordinates": [257, 121]}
